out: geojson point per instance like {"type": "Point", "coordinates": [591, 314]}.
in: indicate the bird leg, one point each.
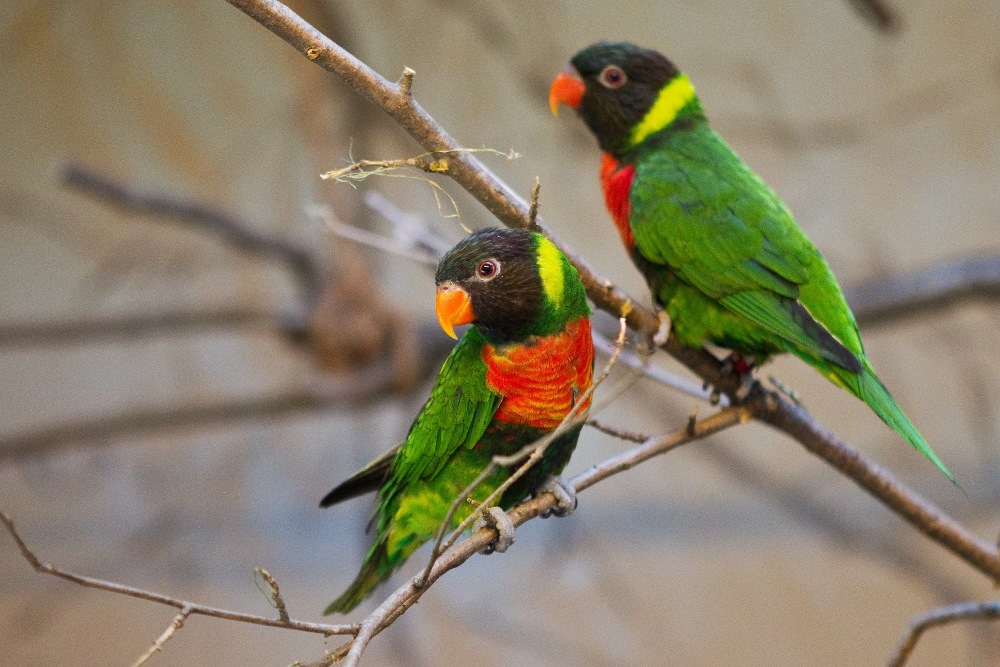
{"type": "Point", "coordinates": [564, 494]}
{"type": "Point", "coordinates": [664, 331]}
{"type": "Point", "coordinates": [743, 366]}
{"type": "Point", "coordinates": [497, 519]}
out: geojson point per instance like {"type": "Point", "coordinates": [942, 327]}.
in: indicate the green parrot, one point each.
{"type": "Point", "coordinates": [527, 359]}
{"type": "Point", "coordinates": [721, 252]}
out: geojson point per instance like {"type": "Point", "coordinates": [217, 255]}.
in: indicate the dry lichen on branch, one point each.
{"type": "Point", "coordinates": [434, 162]}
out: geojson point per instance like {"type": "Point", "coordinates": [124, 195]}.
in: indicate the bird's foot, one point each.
{"type": "Point", "coordinates": [497, 519]}
{"type": "Point", "coordinates": [564, 494]}
{"type": "Point", "coordinates": [661, 335]}
{"type": "Point", "coordinates": [743, 366]}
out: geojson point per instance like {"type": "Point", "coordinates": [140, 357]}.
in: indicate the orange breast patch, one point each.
{"type": "Point", "coordinates": [540, 382]}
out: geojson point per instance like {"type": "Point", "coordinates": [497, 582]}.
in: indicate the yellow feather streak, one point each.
{"type": "Point", "coordinates": [668, 104]}
{"type": "Point", "coordinates": [550, 269]}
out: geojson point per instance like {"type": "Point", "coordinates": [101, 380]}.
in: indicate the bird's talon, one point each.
{"type": "Point", "coordinates": [565, 496]}
{"type": "Point", "coordinates": [498, 520]}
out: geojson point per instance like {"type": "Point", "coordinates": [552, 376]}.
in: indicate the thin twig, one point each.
{"type": "Point", "coordinates": [435, 162]}
{"type": "Point", "coordinates": [533, 207]}
{"type": "Point", "coordinates": [405, 83]}
{"type": "Point", "coordinates": [157, 646]}
{"type": "Point", "coordinates": [195, 608]}
{"type": "Point", "coordinates": [619, 433]}
{"type": "Point", "coordinates": [274, 593]}
{"type": "Point", "coordinates": [983, 611]}
{"type": "Point", "coordinates": [640, 362]}
{"type": "Point", "coordinates": [371, 239]}
{"type": "Point", "coordinates": [410, 228]}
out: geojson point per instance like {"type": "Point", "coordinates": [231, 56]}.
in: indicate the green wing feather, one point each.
{"type": "Point", "coordinates": [699, 210]}
{"type": "Point", "coordinates": [426, 475]}
{"type": "Point", "coordinates": [741, 272]}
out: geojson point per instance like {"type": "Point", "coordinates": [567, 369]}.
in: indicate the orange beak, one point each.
{"type": "Point", "coordinates": [453, 306]}
{"type": "Point", "coordinates": [567, 88]}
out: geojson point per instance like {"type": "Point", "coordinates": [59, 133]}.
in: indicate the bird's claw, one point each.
{"type": "Point", "coordinates": [564, 494]}
{"type": "Point", "coordinates": [497, 519]}
{"type": "Point", "coordinates": [663, 333]}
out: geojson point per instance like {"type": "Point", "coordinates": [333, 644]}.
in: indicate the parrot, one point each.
{"type": "Point", "coordinates": [723, 257]}
{"type": "Point", "coordinates": [517, 372]}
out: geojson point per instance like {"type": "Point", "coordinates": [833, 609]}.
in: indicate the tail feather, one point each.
{"type": "Point", "coordinates": [375, 570]}
{"type": "Point", "coordinates": [869, 388]}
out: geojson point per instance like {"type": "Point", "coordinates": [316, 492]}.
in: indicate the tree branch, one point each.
{"type": "Point", "coordinates": [513, 211]}
{"type": "Point", "coordinates": [886, 300]}
{"type": "Point", "coordinates": [87, 330]}
{"type": "Point", "coordinates": [191, 608]}
{"type": "Point", "coordinates": [157, 646]}
{"type": "Point", "coordinates": [408, 594]}
{"type": "Point", "coordinates": [88, 431]}
{"type": "Point", "coordinates": [303, 265]}
{"type": "Point", "coordinates": [881, 15]}
{"type": "Point", "coordinates": [941, 616]}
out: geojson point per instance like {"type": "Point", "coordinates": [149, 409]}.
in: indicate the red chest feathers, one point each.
{"type": "Point", "coordinates": [616, 182]}
{"type": "Point", "coordinates": [540, 382]}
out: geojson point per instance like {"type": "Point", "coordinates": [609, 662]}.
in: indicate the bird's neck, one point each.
{"type": "Point", "coordinates": [676, 108]}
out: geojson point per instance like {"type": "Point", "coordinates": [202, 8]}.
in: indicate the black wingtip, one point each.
{"type": "Point", "coordinates": [366, 480]}
{"type": "Point", "coordinates": [342, 492]}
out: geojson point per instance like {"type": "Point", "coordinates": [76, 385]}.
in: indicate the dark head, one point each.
{"type": "Point", "coordinates": [624, 93]}
{"type": "Point", "coordinates": [509, 283]}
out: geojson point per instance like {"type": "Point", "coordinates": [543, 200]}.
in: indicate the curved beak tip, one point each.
{"type": "Point", "coordinates": [553, 104]}
{"type": "Point", "coordinates": [448, 329]}
{"type": "Point", "coordinates": [453, 307]}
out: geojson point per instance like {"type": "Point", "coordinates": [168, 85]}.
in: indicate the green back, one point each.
{"type": "Point", "coordinates": [698, 209]}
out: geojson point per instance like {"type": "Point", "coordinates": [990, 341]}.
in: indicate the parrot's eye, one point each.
{"type": "Point", "coordinates": [612, 77]}
{"type": "Point", "coordinates": [488, 269]}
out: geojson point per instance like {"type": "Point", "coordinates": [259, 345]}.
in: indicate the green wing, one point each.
{"type": "Point", "coordinates": [696, 208]}
{"type": "Point", "coordinates": [428, 471]}
{"type": "Point", "coordinates": [453, 419]}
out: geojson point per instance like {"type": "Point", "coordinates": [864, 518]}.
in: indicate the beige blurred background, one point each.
{"type": "Point", "coordinates": [176, 457]}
